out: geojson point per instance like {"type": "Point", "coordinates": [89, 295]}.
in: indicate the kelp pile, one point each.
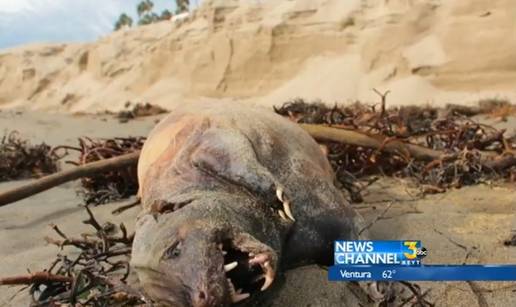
{"type": "Point", "coordinates": [93, 271]}
{"type": "Point", "coordinates": [96, 272]}
{"type": "Point", "coordinates": [139, 110]}
{"type": "Point", "coordinates": [107, 186]}
{"type": "Point", "coordinates": [511, 241]}
{"type": "Point", "coordinates": [20, 160]}
{"type": "Point", "coordinates": [472, 152]}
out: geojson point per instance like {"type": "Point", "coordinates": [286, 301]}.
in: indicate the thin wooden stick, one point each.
{"type": "Point", "coordinates": [502, 163]}
{"type": "Point", "coordinates": [356, 138]}
{"type": "Point", "coordinates": [53, 180]}
{"type": "Point", "coordinates": [318, 132]}
{"type": "Point", "coordinates": [35, 278]}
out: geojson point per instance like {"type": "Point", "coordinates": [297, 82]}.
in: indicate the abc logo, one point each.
{"type": "Point", "coordinates": [414, 251]}
{"type": "Point", "coordinates": [421, 253]}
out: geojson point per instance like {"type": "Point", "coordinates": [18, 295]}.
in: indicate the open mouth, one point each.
{"type": "Point", "coordinates": [246, 272]}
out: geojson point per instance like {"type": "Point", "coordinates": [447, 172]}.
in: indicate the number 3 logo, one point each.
{"type": "Point", "coordinates": [411, 245]}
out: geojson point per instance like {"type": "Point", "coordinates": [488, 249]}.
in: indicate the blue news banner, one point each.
{"type": "Point", "coordinates": [402, 260]}
{"type": "Point", "coordinates": [423, 273]}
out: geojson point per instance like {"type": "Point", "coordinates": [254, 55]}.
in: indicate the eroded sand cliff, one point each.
{"type": "Point", "coordinates": [264, 52]}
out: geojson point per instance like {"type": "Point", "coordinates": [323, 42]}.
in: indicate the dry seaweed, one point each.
{"type": "Point", "coordinates": [94, 270]}
{"type": "Point", "coordinates": [511, 241]}
{"type": "Point", "coordinates": [403, 293]}
{"type": "Point", "coordinates": [108, 186]}
{"type": "Point", "coordinates": [464, 142]}
{"type": "Point", "coordinates": [20, 160]}
{"type": "Point", "coordinates": [139, 110]}
{"type": "Point", "coordinates": [94, 273]}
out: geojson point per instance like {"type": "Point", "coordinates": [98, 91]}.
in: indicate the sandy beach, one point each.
{"type": "Point", "coordinates": [466, 225]}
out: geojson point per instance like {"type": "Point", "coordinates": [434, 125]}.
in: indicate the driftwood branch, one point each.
{"type": "Point", "coordinates": [356, 138]}
{"type": "Point", "coordinates": [383, 96]}
{"type": "Point", "coordinates": [55, 179]}
{"type": "Point", "coordinates": [318, 132]}
{"type": "Point", "coordinates": [501, 163]}
{"type": "Point", "coordinates": [394, 146]}
{"type": "Point", "coordinates": [35, 278]}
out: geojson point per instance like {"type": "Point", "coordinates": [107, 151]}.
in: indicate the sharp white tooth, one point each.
{"type": "Point", "coordinates": [228, 267]}
{"type": "Point", "coordinates": [219, 246]}
{"type": "Point", "coordinates": [224, 253]}
{"type": "Point", "coordinates": [251, 254]}
{"type": "Point", "coordinates": [282, 215]}
{"type": "Point", "coordinates": [279, 194]}
{"type": "Point", "coordinates": [267, 283]}
{"type": "Point", "coordinates": [286, 207]}
{"type": "Point", "coordinates": [239, 297]}
{"type": "Point", "coordinates": [269, 276]}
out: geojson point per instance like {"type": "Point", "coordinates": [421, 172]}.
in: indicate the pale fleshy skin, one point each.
{"type": "Point", "coordinates": [231, 196]}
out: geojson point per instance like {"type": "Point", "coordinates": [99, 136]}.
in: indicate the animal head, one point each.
{"type": "Point", "coordinates": [201, 263]}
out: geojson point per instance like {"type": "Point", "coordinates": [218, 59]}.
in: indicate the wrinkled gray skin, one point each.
{"type": "Point", "coordinates": [208, 174]}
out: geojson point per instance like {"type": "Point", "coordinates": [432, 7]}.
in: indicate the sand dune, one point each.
{"type": "Point", "coordinates": [268, 51]}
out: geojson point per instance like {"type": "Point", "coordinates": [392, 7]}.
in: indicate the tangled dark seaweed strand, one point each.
{"type": "Point", "coordinates": [99, 270]}
{"type": "Point", "coordinates": [113, 185]}
{"type": "Point", "coordinates": [438, 129]}
{"type": "Point", "coordinates": [20, 160]}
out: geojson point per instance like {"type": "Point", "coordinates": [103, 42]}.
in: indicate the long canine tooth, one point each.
{"type": "Point", "coordinates": [267, 283]}
{"type": "Point", "coordinates": [230, 266]}
{"type": "Point", "coordinates": [269, 276]}
{"type": "Point", "coordinates": [239, 297]}
{"type": "Point", "coordinates": [279, 194]}
{"type": "Point", "coordinates": [286, 207]}
{"type": "Point", "coordinates": [224, 253]}
{"type": "Point", "coordinates": [282, 215]}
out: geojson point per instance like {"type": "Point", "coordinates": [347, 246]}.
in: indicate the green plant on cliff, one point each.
{"type": "Point", "coordinates": [123, 21]}
{"type": "Point", "coordinates": [148, 19]}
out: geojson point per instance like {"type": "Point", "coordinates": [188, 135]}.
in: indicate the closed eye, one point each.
{"type": "Point", "coordinates": [173, 251]}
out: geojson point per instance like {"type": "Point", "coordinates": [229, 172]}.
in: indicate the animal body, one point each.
{"type": "Point", "coordinates": [231, 196]}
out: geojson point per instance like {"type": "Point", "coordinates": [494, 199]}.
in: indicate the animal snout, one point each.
{"type": "Point", "coordinates": [202, 300]}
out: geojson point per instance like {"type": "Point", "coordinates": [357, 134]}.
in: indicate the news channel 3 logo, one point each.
{"type": "Point", "coordinates": [413, 250]}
